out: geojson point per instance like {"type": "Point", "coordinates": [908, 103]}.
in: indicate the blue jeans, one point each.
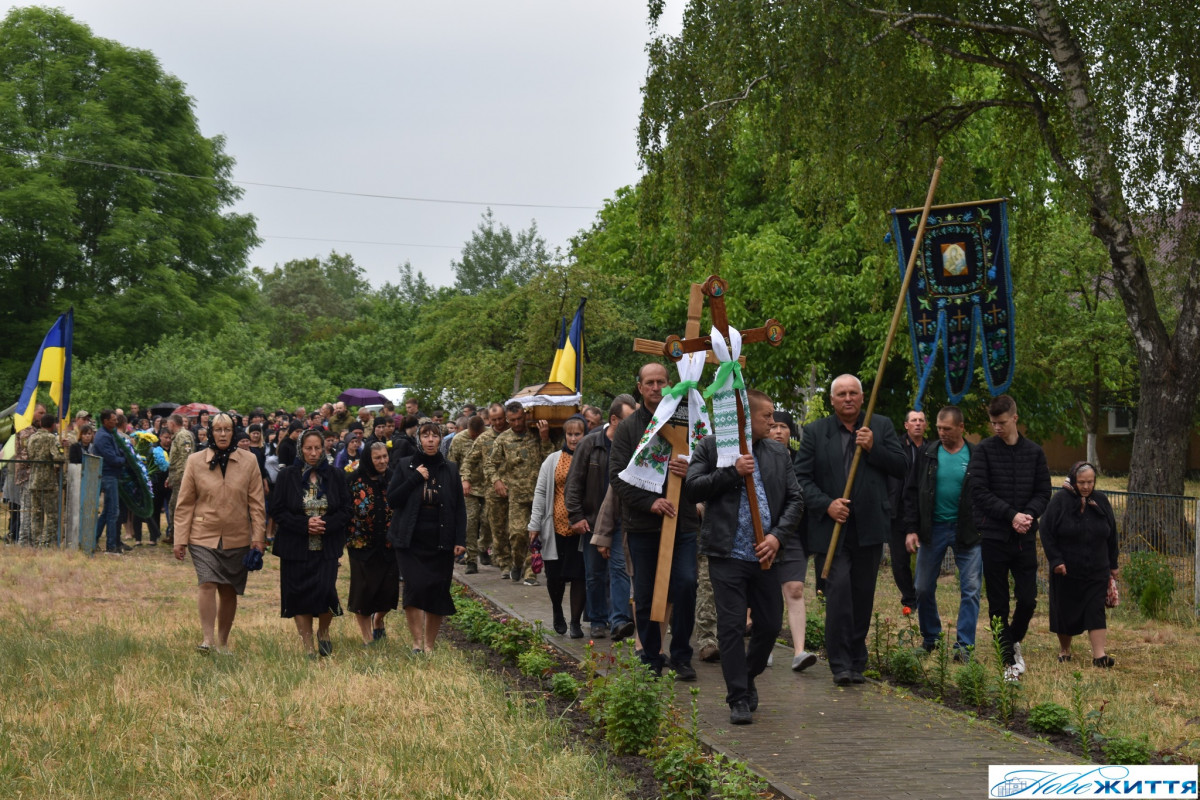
{"type": "Point", "coordinates": [944, 536]}
{"type": "Point", "coordinates": [618, 581]}
{"type": "Point", "coordinates": [595, 568]}
{"type": "Point", "coordinates": [110, 517]}
{"type": "Point", "coordinates": [643, 549]}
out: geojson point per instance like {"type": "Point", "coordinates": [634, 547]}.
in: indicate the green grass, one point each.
{"type": "Point", "coordinates": [105, 697]}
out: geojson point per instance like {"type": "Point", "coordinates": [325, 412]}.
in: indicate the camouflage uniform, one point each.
{"type": "Point", "coordinates": [21, 477]}
{"type": "Point", "coordinates": [516, 459]}
{"type": "Point", "coordinates": [706, 610]}
{"type": "Point", "coordinates": [43, 486]}
{"type": "Point", "coordinates": [461, 446]}
{"type": "Point", "coordinates": [182, 446]}
{"type": "Point", "coordinates": [495, 507]}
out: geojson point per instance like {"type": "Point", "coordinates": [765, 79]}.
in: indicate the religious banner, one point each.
{"type": "Point", "coordinates": [961, 292]}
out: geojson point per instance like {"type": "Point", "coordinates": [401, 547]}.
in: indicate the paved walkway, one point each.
{"type": "Point", "coordinates": [899, 747]}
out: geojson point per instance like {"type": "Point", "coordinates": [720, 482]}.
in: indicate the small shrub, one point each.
{"type": "Point", "coordinates": [735, 781]}
{"type": "Point", "coordinates": [1006, 693]}
{"type": "Point", "coordinates": [972, 683]}
{"type": "Point", "coordinates": [1151, 582]}
{"type": "Point", "coordinates": [814, 632]}
{"type": "Point", "coordinates": [1127, 750]}
{"type": "Point", "coordinates": [564, 685]}
{"type": "Point", "coordinates": [535, 662]}
{"type": "Point", "coordinates": [905, 666]}
{"type": "Point", "coordinates": [512, 637]}
{"type": "Point", "coordinates": [881, 642]}
{"type": "Point", "coordinates": [1049, 717]}
{"type": "Point", "coordinates": [629, 702]}
{"type": "Point", "coordinates": [1086, 725]}
{"type": "Point", "coordinates": [937, 676]}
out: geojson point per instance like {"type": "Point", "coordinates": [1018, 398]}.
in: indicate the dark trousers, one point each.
{"type": "Point", "coordinates": [643, 548]}
{"type": "Point", "coordinates": [738, 585]}
{"type": "Point", "coordinates": [1016, 556]}
{"type": "Point", "coordinates": [902, 571]}
{"type": "Point", "coordinates": [849, 602]}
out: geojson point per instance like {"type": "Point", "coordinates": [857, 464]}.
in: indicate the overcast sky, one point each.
{"type": "Point", "coordinates": [497, 102]}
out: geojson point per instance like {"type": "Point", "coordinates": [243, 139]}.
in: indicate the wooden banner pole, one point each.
{"type": "Point", "coordinates": [887, 349]}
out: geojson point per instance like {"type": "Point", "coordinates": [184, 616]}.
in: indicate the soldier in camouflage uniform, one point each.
{"type": "Point", "coordinates": [495, 507]}
{"type": "Point", "coordinates": [21, 475]}
{"type": "Point", "coordinates": [183, 444]}
{"type": "Point", "coordinates": [43, 446]}
{"type": "Point", "coordinates": [513, 465]}
{"type": "Point", "coordinates": [460, 447]}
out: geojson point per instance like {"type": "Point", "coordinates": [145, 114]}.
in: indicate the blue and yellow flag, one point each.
{"type": "Point", "coordinates": [52, 365]}
{"type": "Point", "coordinates": [568, 359]}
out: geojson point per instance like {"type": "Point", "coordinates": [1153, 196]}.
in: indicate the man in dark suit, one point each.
{"type": "Point", "coordinates": [821, 468]}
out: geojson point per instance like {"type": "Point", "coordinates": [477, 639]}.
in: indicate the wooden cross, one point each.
{"type": "Point", "coordinates": [771, 332]}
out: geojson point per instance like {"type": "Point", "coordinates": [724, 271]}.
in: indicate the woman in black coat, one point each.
{"type": "Point", "coordinates": [1079, 535]}
{"type": "Point", "coordinates": [374, 576]}
{"type": "Point", "coordinates": [429, 528]}
{"type": "Point", "coordinates": [311, 508]}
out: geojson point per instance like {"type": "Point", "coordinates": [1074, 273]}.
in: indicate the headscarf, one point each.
{"type": "Point", "coordinates": [1069, 485]}
{"type": "Point", "coordinates": [580, 418]}
{"type": "Point", "coordinates": [220, 458]}
{"type": "Point", "coordinates": [786, 418]}
{"type": "Point", "coordinates": [366, 465]}
{"type": "Point", "coordinates": [322, 467]}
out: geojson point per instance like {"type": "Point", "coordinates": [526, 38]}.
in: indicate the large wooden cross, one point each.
{"type": "Point", "coordinates": [771, 332]}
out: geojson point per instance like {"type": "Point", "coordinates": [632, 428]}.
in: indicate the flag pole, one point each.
{"type": "Point", "coordinates": [887, 348]}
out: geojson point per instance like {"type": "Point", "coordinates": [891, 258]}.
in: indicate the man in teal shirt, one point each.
{"type": "Point", "coordinates": [937, 516]}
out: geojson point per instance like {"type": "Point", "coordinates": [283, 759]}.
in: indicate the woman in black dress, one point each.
{"type": "Point", "coordinates": [429, 528]}
{"type": "Point", "coordinates": [287, 446]}
{"type": "Point", "coordinates": [374, 575]}
{"type": "Point", "coordinates": [1079, 535]}
{"type": "Point", "coordinates": [311, 508]}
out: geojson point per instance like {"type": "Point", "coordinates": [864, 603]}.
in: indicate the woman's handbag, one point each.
{"type": "Point", "coordinates": [1114, 595]}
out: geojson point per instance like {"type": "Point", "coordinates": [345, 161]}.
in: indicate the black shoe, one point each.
{"type": "Point", "coordinates": [515, 574]}
{"type": "Point", "coordinates": [560, 623]}
{"type": "Point", "coordinates": [739, 713]}
{"type": "Point", "coordinates": [623, 631]}
{"type": "Point", "coordinates": [857, 677]}
{"type": "Point", "coordinates": [503, 575]}
{"type": "Point", "coordinates": [585, 618]}
{"type": "Point", "coordinates": [125, 548]}
{"type": "Point", "coordinates": [843, 678]}
{"type": "Point", "coordinates": [378, 633]}
{"type": "Point", "coordinates": [324, 647]}
{"type": "Point", "coordinates": [599, 630]}
{"type": "Point", "coordinates": [752, 691]}
{"type": "Point", "coordinates": [152, 544]}
{"type": "Point", "coordinates": [472, 568]}
{"type": "Point", "coordinates": [485, 559]}
{"type": "Point", "coordinates": [1105, 662]}
{"type": "Point", "coordinates": [684, 671]}
{"type": "Point", "coordinates": [576, 631]}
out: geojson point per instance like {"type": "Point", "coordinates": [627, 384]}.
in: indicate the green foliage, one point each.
{"type": "Point", "coordinates": [904, 665]}
{"type": "Point", "coordinates": [311, 297]}
{"type": "Point", "coordinates": [1006, 692]}
{"type": "Point", "coordinates": [881, 642]}
{"type": "Point", "coordinates": [681, 766]}
{"type": "Point", "coordinates": [535, 662]}
{"type": "Point", "coordinates": [972, 682]}
{"type": "Point", "coordinates": [1151, 582]}
{"type": "Point", "coordinates": [494, 255]}
{"type": "Point", "coordinates": [937, 674]}
{"type": "Point", "coordinates": [564, 685]}
{"type": "Point", "coordinates": [1049, 717]}
{"type": "Point", "coordinates": [511, 637]}
{"type": "Point", "coordinates": [1127, 750]}
{"type": "Point", "coordinates": [735, 781]}
{"type": "Point", "coordinates": [628, 702]}
{"type": "Point", "coordinates": [1087, 724]}
{"type": "Point", "coordinates": [814, 631]}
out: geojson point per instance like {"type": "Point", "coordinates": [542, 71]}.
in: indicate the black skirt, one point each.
{"type": "Point", "coordinates": [428, 573]}
{"type": "Point", "coordinates": [309, 586]}
{"type": "Point", "coordinates": [569, 564]}
{"type": "Point", "coordinates": [1077, 604]}
{"type": "Point", "coordinates": [374, 582]}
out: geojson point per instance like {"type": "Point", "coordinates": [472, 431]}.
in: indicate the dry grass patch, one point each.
{"type": "Point", "coordinates": [104, 697]}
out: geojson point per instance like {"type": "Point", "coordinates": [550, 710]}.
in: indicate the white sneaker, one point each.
{"type": "Point", "coordinates": [1018, 659]}
{"type": "Point", "coordinates": [771, 660]}
{"type": "Point", "coordinates": [1012, 674]}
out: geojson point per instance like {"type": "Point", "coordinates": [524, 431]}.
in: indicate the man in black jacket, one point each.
{"type": "Point", "coordinates": [826, 452]}
{"type": "Point", "coordinates": [734, 559]}
{"type": "Point", "coordinates": [642, 513]}
{"type": "Point", "coordinates": [937, 516]}
{"type": "Point", "coordinates": [911, 441]}
{"type": "Point", "coordinates": [587, 483]}
{"type": "Point", "coordinates": [1010, 488]}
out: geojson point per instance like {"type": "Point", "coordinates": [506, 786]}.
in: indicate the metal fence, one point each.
{"type": "Point", "coordinates": [77, 503]}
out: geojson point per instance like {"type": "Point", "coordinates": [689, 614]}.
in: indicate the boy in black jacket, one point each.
{"type": "Point", "coordinates": [1010, 488]}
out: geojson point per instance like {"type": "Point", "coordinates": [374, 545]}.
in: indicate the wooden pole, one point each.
{"type": "Point", "coordinates": [887, 348]}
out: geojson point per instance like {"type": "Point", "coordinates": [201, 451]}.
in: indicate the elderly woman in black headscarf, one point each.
{"type": "Point", "coordinates": [374, 575]}
{"type": "Point", "coordinates": [311, 507]}
{"type": "Point", "coordinates": [1079, 536]}
{"type": "Point", "coordinates": [429, 528]}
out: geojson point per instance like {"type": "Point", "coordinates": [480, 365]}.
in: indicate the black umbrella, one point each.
{"type": "Point", "coordinates": [163, 409]}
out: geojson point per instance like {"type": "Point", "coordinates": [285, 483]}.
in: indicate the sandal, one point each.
{"type": "Point", "coordinates": [1064, 657]}
{"type": "Point", "coordinates": [1103, 661]}
{"type": "Point", "coordinates": [204, 649]}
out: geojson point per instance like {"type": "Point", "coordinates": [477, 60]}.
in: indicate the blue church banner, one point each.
{"type": "Point", "coordinates": [961, 292]}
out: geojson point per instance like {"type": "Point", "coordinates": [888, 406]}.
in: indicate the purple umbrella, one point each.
{"type": "Point", "coordinates": [362, 397]}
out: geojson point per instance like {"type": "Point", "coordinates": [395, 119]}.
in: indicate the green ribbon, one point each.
{"type": "Point", "coordinates": [680, 389]}
{"type": "Point", "coordinates": [719, 379]}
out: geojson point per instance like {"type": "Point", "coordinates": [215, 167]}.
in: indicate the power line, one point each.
{"type": "Point", "coordinates": [405, 198]}
{"type": "Point", "coordinates": [356, 241]}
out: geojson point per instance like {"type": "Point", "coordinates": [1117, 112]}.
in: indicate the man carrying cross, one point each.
{"type": "Point", "coordinates": [642, 513]}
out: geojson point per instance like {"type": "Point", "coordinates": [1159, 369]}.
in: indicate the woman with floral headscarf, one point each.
{"type": "Point", "coordinates": [311, 508]}
{"type": "Point", "coordinates": [1079, 536]}
{"type": "Point", "coordinates": [374, 575]}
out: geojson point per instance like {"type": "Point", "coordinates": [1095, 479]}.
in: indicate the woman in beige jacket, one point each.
{"type": "Point", "coordinates": [219, 517]}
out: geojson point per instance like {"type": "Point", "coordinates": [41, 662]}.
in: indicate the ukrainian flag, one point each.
{"type": "Point", "coordinates": [568, 359]}
{"type": "Point", "coordinates": [52, 365]}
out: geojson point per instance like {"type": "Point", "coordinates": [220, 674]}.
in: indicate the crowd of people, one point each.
{"type": "Point", "coordinates": [406, 496]}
